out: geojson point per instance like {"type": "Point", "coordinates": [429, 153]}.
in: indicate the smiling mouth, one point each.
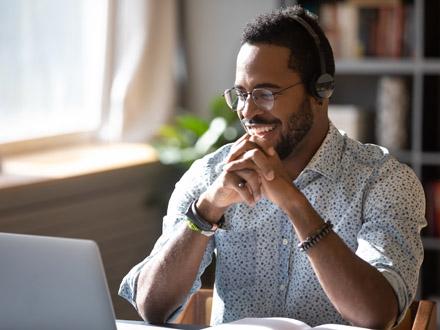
{"type": "Point", "coordinates": [259, 129]}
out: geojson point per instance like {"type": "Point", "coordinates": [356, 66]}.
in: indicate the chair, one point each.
{"type": "Point", "coordinates": [198, 309]}
{"type": "Point", "coordinates": [422, 314]}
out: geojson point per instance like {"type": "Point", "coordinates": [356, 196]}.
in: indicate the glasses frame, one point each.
{"type": "Point", "coordinates": [251, 93]}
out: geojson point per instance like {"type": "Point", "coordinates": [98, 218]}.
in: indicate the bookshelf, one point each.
{"type": "Point", "coordinates": [357, 80]}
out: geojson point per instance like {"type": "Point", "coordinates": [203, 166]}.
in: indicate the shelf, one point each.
{"type": "Point", "coordinates": [387, 66]}
{"type": "Point", "coordinates": [431, 158]}
{"type": "Point", "coordinates": [404, 156]}
{"type": "Point", "coordinates": [431, 66]}
{"type": "Point", "coordinates": [423, 158]}
{"type": "Point", "coordinates": [431, 243]}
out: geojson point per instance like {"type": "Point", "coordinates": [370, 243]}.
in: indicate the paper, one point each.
{"type": "Point", "coordinates": [278, 323]}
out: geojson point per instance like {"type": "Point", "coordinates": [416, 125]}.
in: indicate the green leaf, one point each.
{"type": "Point", "coordinates": [192, 123]}
{"type": "Point", "coordinates": [191, 137]}
{"type": "Point", "coordinates": [216, 129]}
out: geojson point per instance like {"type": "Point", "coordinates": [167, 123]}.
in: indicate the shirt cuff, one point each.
{"type": "Point", "coordinates": [400, 290]}
{"type": "Point", "coordinates": [128, 288]}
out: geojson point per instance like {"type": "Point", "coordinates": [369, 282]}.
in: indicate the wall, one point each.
{"type": "Point", "coordinates": [213, 31]}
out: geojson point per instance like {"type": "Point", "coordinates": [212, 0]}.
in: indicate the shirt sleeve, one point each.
{"type": "Point", "coordinates": [394, 214]}
{"type": "Point", "coordinates": [190, 186]}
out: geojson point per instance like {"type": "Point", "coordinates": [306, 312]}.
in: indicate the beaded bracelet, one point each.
{"type": "Point", "coordinates": [316, 237]}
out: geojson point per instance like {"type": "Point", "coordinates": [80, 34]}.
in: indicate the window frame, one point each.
{"type": "Point", "coordinates": [80, 137]}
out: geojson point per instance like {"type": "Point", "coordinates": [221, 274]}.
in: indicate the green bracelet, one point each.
{"type": "Point", "coordinates": [193, 227]}
{"type": "Point", "coordinates": [208, 233]}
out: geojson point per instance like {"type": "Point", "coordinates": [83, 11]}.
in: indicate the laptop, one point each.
{"type": "Point", "coordinates": [52, 283]}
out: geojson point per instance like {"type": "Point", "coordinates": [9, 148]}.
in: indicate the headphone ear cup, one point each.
{"type": "Point", "coordinates": [324, 86]}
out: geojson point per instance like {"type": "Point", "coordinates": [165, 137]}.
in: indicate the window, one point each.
{"type": "Point", "coordinates": [52, 58]}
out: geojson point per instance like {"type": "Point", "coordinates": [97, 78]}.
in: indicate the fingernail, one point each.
{"type": "Point", "coordinates": [270, 176]}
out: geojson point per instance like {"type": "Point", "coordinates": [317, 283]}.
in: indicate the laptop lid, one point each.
{"type": "Point", "coordinates": [52, 283]}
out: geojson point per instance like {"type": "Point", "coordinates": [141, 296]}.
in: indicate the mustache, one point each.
{"type": "Point", "coordinates": [258, 121]}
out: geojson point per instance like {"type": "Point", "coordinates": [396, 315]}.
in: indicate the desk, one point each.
{"type": "Point", "coordinates": [139, 325]}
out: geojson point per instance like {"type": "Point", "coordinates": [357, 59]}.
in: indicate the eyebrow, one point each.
{"type": "Point", "coordinates": [261, 85]}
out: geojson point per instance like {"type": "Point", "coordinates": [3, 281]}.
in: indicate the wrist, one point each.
{"type": "Point", "coordinates": [197, 223]}
{"type": "Point", "coordinates": [292, 200]}
{"type": "Point", "coordinates": [208, 210]}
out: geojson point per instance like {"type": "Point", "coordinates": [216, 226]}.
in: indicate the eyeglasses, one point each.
{"type": "Point", "coordinates": [262, 97]}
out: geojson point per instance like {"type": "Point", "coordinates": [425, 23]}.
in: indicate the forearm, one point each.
{"type": "Point", "coordinates": [166, 280]}
{"type": "Point", "coordinates": [357, 290]}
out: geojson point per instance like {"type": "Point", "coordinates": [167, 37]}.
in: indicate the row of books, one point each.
{"type": "Point", "coordinates": [387, 126]}
{"type": "Point", "coordinates": [373, 28]}
{"type": "Point", "coordinates": [432, 191]}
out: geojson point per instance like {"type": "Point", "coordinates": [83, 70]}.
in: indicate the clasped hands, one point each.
{"type": "Point", "coordinates": [252, 171]}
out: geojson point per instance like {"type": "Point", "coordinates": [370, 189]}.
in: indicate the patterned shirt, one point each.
{"type": "Point", "coordinates": [375, 203]}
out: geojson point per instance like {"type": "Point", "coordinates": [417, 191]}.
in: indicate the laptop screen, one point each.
{"type": "Point", "coordinates": [52, 283]}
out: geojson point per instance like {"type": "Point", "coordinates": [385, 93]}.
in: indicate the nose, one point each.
{"type": "Point", "coordinates": [250, 109]}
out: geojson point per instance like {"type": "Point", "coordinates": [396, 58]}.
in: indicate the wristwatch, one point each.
{"type": "Point", "coordinates": [198, 224]}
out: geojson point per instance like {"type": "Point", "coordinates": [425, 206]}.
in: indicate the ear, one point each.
{"type": "Point", "coordinates": [318, 104]}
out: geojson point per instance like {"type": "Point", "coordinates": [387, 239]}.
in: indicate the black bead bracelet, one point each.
{"type": "Point", "coordinates": [316, 237]}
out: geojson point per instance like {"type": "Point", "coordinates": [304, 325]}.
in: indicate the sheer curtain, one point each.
{"type": "Point", "coordinates": [51, 67]}
{"type": "Point", "coordinates": [139, 93]}
{"type": "Point", "coordinates": [101, 68]}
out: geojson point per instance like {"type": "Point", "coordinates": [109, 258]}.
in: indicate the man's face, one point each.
{"type": "Point", "coordinates": [291, 117]}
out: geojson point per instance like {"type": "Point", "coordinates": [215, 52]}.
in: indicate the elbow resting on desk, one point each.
{"type": "Point", "coordinates": [379, 317]}
{"type": "Point", "coordinates": [153, 311]}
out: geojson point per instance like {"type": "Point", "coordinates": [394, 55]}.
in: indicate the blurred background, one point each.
{"type": "Point", "coordinates": [104, 104]}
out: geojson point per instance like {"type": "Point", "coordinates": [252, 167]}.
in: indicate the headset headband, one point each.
{"type": "Point", "coordinates": [324, 85]}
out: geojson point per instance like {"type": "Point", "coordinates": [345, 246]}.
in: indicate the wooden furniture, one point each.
{"type": "Point", "coordinates": [420, 316]}
{"type": "Point", "coordinates": [116, 201]}
{"type": "Point", "coordinates": [198, 309]}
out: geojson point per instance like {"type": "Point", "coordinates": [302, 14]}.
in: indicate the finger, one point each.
{"type": "Point", "coordinates": [263, 163]}
{"type": "Point", "coordinates": [241, 138]}
{"type": "Point", "coordinates": [239, 149]}
{"type": "Point", "coordinates": [245, 192]}
{"type": "Point", "coordinates": [253, 159]}
{"type": "Point", "coordinates": [251, 181]}
{"type": "Point", "coordinates": [246, 183]}
{"type": "Point", "coordinates": [262, 144]}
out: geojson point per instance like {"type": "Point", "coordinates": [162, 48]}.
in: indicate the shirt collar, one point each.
{"type": "Point", "coordinates": [326, 161]}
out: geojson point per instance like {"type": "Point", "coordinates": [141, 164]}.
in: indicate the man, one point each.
{"type": "Point", "coordinates": [314, 225]}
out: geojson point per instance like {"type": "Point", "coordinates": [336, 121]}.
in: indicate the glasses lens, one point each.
{"type": "Point", "coordinates": [231, 98]}
{"type": "Point", "coordinates": [263, 98]}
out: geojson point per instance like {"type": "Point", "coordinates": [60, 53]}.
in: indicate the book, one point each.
{"type": "Point", "coordinates": [392, 112]}
{"type": "Point", "coordinates": [350, 119]}
{"type": "Point", "coordinates": [374, 28]}
{"type": "Point", "coordinates": [348, 21]}
{"type": "Point", "coordinates": [278, 323]}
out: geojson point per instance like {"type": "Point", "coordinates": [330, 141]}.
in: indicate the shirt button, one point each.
{"type": "Point", "coordinates": [282, 287]}
{"type": "Point", "coordinates": [285, 241]}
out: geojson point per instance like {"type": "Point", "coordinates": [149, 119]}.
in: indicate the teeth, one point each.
{"type": "Point", "coordinates": [260, 129]}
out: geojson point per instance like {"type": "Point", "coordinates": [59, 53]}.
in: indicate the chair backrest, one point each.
{"type": "Point", "coordinates": [198, 309]}
{"type": "Point", "coordinates": [422, 314]}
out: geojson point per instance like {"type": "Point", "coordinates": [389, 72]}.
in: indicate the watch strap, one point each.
{"type": "Point", "coordinates": [199, 222]}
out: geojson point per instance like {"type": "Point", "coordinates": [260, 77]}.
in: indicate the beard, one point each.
{"type": "Point", "coordinates": [298, 125]}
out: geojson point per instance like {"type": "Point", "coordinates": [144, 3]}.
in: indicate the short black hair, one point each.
{"type": "Point", "coordinates": [280, 28]}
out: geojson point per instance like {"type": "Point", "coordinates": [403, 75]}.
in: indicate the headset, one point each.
{"type": "Point", "coordinates": [323, 85]}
